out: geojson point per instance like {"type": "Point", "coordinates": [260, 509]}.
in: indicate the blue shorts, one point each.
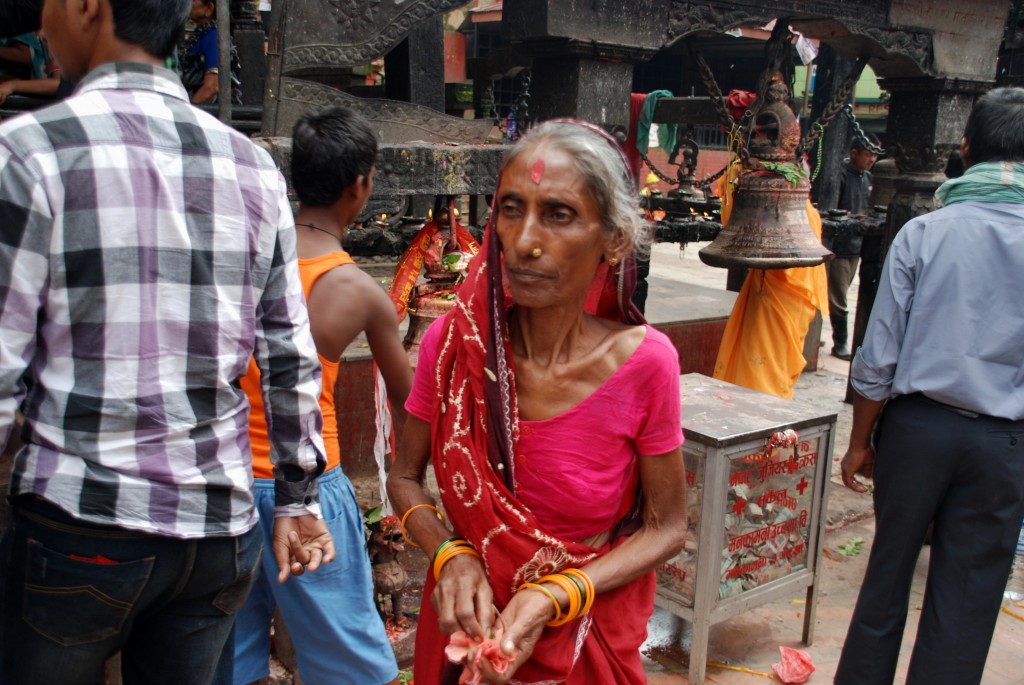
{"type": "Point", "coordinates": [330, 613]}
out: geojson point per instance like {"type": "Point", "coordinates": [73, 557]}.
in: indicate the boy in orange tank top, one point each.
{"type": "Point", "coordinates": [332, 618]}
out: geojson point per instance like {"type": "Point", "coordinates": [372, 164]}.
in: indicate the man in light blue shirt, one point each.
{"type": "Point", "coordinates": [944, 355]}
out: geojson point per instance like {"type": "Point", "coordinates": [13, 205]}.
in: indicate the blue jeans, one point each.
{"type": "Point", "coordinates": [73, 594]}
{"type": "Point", "coordinates": [331, 613]}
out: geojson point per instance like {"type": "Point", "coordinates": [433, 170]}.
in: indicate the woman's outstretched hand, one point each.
{"type": "Point", "coordinates": [463, 597]}
{"type": "Point", "coordinates": [522, 622]}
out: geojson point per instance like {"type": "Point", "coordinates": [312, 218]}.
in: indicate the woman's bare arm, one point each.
{"type": "Point", "coordinates": [463, 596]}
{"type": "Point", "coordinates": [208, 90]}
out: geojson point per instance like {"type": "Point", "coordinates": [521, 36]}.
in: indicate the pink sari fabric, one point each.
{"type": "Point", "coordinates": [575, 490]}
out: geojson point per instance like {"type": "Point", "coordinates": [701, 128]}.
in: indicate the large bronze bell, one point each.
{"type": "Point", "coordinates": [768, 227]}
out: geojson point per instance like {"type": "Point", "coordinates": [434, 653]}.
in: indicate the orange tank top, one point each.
{"type": "Point", "coordinates": [309, 271]}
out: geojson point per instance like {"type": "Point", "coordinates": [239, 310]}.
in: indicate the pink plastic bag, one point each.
{"type": "Point", "coordinates": [796, 666]}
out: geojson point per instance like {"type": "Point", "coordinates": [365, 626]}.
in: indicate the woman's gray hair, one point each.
{"type": "Point", "coordinates": [602, 167]}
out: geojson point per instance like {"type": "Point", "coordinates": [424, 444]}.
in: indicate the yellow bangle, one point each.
{"type": "Point", "coordinates": [551, 596]}
{"type": "Point", "coordinates": [447, 554]}
{"type": "Point", "coordinates": [588, 587]}
{"type": "Point", "coordinates": [412, 509]}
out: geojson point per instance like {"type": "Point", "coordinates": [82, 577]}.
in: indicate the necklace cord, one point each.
{"type": "Point", "coordinates": [322, 230]}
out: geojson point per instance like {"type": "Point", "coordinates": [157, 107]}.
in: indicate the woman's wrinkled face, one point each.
{"type": "Point", "coordinates": [549, 227]}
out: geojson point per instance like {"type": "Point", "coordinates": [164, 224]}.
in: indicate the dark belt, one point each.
{"type": "Point", "coordinates": [967, 413]}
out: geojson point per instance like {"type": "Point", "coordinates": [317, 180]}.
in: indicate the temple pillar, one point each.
{"type": "Point", "coordinates": [414, 72]}
{"type": "Point", "coordinates": [414, 69]}
{"type": "Point", "coordinates": [587, 62]}
{"type": "Point", "coordinates": [247, 31]}
{"type": "Point", "coordinates": [834, 144]}
{"type": "Point", "coordinates": [592, 89]}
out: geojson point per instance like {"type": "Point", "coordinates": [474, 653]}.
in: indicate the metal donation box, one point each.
{"type": "Point", "coordinates": [757, 470]}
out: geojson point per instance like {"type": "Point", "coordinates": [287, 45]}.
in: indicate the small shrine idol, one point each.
{"type": "Point", "coordinates": [442, 250]}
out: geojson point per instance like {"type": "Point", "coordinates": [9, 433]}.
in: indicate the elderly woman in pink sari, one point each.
{"type": "Point", "coordinates": [551, 414]}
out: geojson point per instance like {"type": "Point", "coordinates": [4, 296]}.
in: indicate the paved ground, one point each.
{"type": "Point", "coordinates": [751, 641]}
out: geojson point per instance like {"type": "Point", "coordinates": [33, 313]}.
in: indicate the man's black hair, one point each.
{"type": "Point", "coordinates": [331, 148]}
{"type": "Point", "coordinates": [995, 127]}
{"type": "Point", "coordinates": [155, 25]}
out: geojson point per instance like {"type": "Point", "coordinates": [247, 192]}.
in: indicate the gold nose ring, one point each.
{"type": "Point", "coordinates": [537, 252]}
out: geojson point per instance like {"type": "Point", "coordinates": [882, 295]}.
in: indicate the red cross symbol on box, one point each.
{"type": "Point", "coordinates": [740, 505]}
{"type": "Point", "coordinates": [802, 485]}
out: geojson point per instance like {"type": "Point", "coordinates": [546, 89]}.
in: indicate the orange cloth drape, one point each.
{"type": "Point", "coordinates": [762, 347]}
{"type": "Point", "coordinates": [411, 263]}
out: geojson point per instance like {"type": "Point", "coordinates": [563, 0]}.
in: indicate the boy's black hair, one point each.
{"type": "Point", "coordinates": [331, 148]}
{"type": "Point", "coordinates": [155, 25]}
{"type": "Point", "coordinates": [995, 127]}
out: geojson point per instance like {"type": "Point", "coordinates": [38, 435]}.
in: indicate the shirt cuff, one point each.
{"type": "Point", "coordinates": [867, 382]}
{"type": "Point", "coordinates": [293, 510]}
{"type": "Point", "coordinates": [296, 497]}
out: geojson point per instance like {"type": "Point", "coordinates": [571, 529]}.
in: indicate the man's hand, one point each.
{"type": "Point", "coordinates": [856, 461]}
{"type": "Point", "coordinates": [301, 543]}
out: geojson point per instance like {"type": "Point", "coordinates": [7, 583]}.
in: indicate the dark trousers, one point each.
{"type": "Point", "coordinates": [966, 474]}
{"type": "Point", "coordinates": [73, 594]}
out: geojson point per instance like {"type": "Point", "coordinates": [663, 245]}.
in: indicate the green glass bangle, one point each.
{"type": "Point", "coordinates": [445, 545]}
{"type": "Point", "coordinates": [576, 581]}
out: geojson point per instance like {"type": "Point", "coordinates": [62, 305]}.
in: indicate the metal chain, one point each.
{"type": "Point", "coordinates": [776, 50]}
{"type": "Point", "coordinates": [656, 171]}
{"type": "Point", "coordinates": [834, 107]}
{"type": "Point", "coordinates": [699, 185]}
{"type": "Point", "coordinates": [708, 78]}
{"type": "Point", "coordinates": [732, 126]}
{"type": "Point", "coordinates": [522, 105]}
{"type": "Point", "coordinates": [817, 166]}
{"type": "Point", "coordinates": [859, 132]}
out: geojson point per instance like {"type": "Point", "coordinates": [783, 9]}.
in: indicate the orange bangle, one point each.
{"type": "Point", "coordinates": [412, 509]}
{"type": "Point", "coordinates": [574, 594]}
{"type": "Point", "coordinates": [446, 555]}
{"type": "Point", "coordinates": [551, 596]}
{"type": "Point", "coordinates": [588, 587]}
{"type": "Point", "coordinates": [443, 557]}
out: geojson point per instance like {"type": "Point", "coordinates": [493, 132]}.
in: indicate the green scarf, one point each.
{"type": "Point", "coordinates": [666, 132]}
{"type": "Point", "coordinates": [985, 182]}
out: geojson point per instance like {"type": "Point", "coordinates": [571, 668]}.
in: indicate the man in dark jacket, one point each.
{"type": "Point", "coordinates": [854, 193]}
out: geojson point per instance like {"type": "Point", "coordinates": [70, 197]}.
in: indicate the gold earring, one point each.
{"type": "Point", "coordinates": [613, 262]}
{"type": "Point", "coordinates": [537, 252]}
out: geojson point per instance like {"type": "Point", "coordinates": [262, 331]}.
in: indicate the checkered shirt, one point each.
{"type": "Point", "coordinates": [147, 251]}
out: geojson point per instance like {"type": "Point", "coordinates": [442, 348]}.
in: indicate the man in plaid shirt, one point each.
{"type": "Point", "coordinates": [146, 252]}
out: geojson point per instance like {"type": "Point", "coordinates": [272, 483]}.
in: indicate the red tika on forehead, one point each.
{"type": "Point", "coordinates": [537, 173]}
